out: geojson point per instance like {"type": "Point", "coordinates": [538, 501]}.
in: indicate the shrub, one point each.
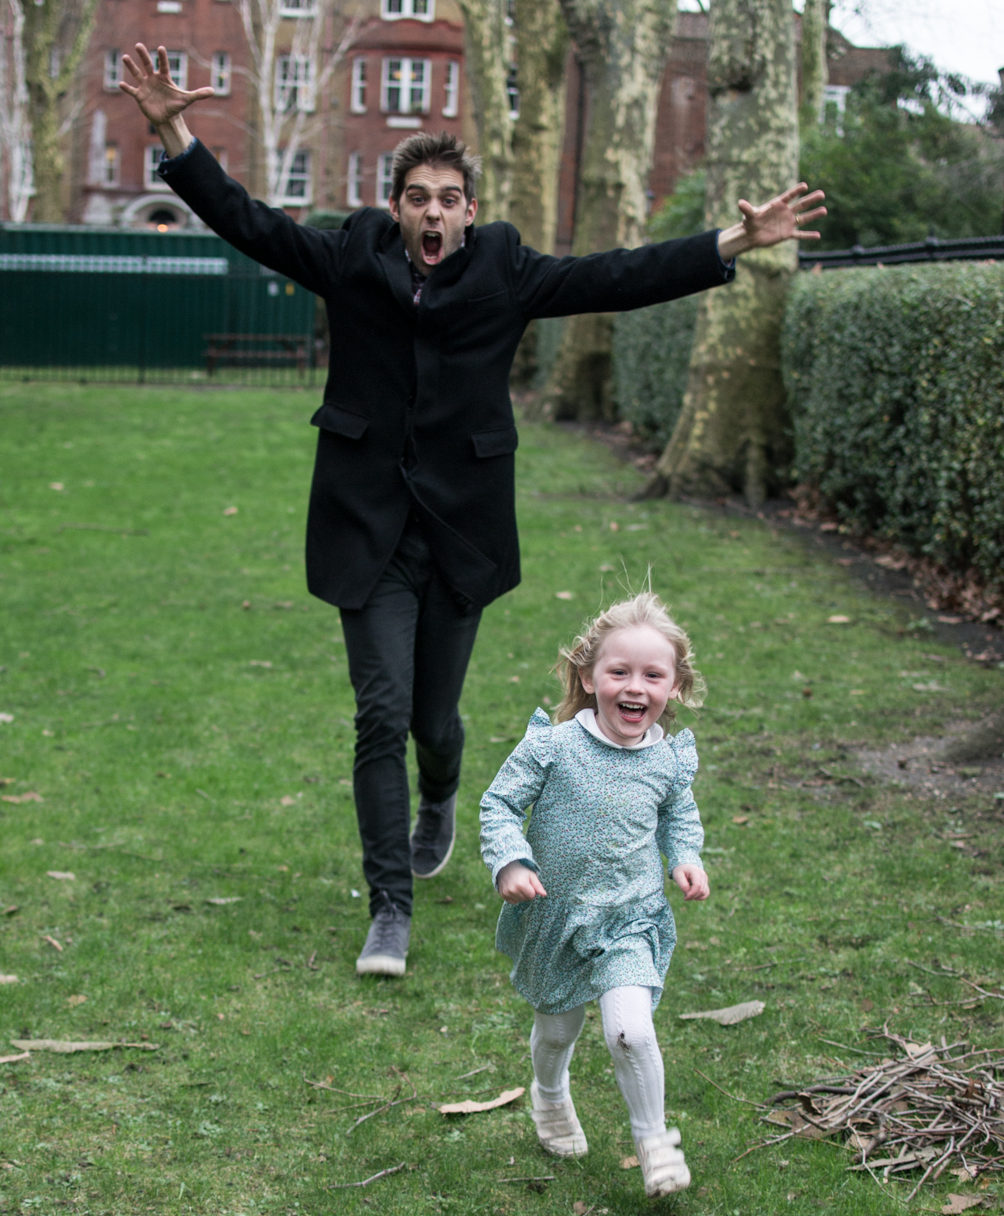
{"type": "Point", "coordinates": [651, 354]}
{"type": "Point", "coordinates": [895, 380]}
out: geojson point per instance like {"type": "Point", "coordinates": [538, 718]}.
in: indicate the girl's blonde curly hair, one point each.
{"type": "Point", "coordinates": [644, 609]}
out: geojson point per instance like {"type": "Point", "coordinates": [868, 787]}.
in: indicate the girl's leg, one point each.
{"type": "Point", "coordinates": [552, 1042]}
{"type": "Point", "coordinates": [630, 1036]}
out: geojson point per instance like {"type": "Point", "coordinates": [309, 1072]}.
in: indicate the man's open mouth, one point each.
{"type": "Point", "coordinates": [432, 244]}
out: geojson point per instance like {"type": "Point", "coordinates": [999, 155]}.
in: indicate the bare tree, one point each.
{"type": "Point", "coordinates": [288, 76]}
{"type": "Point", "coordinates": [15, 129]}
{"type": "Point", "coordinates": [815, 22]}
{"type": "Point", "coordinates": [731, 434]}
{"type": "Point", "coordinates": [622, 46]}
{"type": "Point", "coordinates": [44, 43]}
{"type": "Point", "coordinates": [489, 53]}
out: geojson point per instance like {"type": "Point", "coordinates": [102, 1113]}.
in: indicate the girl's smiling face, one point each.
{"type": "Point", "coordinates": [633, 679]}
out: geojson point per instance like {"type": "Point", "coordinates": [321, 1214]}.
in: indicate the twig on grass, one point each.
{"type": "Point", "coordinates": [342, 1186]}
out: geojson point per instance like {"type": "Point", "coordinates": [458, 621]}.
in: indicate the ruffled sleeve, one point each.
{"type": "Point", "coordinates": [507, 800]}
{"type": "Point", "coordinates": [679, 834]}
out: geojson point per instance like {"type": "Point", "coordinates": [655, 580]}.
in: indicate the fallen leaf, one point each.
{"type": "Point", "coordinates": [79, 999]}
{"type": "Point", "coordinates": [959, 1203]}
{"type": "Point", "coordinates": [68, 1046]}
{"type": "Point", "coordinates": [30, 796]}
{"type": "Point", "coordinates": [220, 900]}
{"type": "Point", "coordinates": [629, 1163]}
{"type": "Point", "coordinates": [8, 979]}
{"type": "Point", "coordinates": [61, 875]}
{"type": "Point", "coordinates": [229, 510]}
{"type": "Point", "coordinates": [731, 1015]}
{"type": "Point", "coordinates": [838, 620]}
{"type": "Point", "coordinates": [564, 595]}
{"type": "Point", "coordinates": [24, 1055]}
{"type": "Point", "coordinates": [471, 1108]}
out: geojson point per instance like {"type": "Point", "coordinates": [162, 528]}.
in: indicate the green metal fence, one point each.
{"type": "Point", "coordinates": [107, 304]}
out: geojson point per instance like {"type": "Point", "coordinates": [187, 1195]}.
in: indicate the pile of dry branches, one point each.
{"type": "Point", "coordinates": [931, 1109]}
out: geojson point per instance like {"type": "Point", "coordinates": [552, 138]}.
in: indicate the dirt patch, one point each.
{"type": "Point", "coordinates": [968, 757]}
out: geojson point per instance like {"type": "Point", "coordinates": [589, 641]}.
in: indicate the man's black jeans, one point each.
{"type": "Point", "coordinates": [408, 650]}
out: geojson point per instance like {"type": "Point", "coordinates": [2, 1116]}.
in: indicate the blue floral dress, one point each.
{"type": "Point", "coordinates": [600, 815]}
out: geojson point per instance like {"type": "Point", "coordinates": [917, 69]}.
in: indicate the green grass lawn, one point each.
{"type": "Point", "coordinates": [180, 870]}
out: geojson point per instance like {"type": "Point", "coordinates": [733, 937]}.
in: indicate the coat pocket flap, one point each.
{"type": "Point", "coordinates": [332, 417]}
{"type": "Point", "coordinates": [500, 442]}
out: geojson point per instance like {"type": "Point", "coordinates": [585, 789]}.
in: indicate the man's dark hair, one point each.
{"type": "Point", "coordinates": [424, 148]}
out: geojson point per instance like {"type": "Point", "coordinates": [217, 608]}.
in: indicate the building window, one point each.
{"type": "Point", "coordinates": [385, 178]}
{"type": "Point", "coordinates": [177, 62]}
{"type": "Point", "coordinates": [113, 71]}
{"type": "Point", "coordinates": [219, 73]}
{"type": "Point", "coordinates": [294, 83]}
{"type": "Point", "coordinates": [834, 105]}
{"type": "Point", "coordinates": [512, 89]}
{"type": "Point", "coordinates": [297, 191]}
{"type": "Point", "coordinates": [357, 101]}
{"type": "Point", "coordinates": [110, 166]}
{"type": "Point", "coordinates": [151, 179]}
{"type": "Point", "coordinates": [418, 10]}
{"type": "Point", "coordinates": [298, 8]}
{"type": "Point", "coordinates": [354, 184]}
{"type": "Point", "coordinates": [451, 92]}
{"type": "Point", "coordinates": [405, 86]}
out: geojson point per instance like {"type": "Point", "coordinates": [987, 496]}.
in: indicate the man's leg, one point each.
{"type": "Point", "coordinates": [447, 629]}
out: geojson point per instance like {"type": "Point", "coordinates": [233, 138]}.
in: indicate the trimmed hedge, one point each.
{"type": "Point", "coordinates": [651, 354]}
{"type": "Point", "coordinates": [895, 380]}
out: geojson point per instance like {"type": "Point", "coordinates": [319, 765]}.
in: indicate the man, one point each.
{"type": "Point", "coordinates": [411, 529]}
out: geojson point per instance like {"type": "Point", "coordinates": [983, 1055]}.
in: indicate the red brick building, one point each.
{"type": "Point", "coordinates": [402, 71]}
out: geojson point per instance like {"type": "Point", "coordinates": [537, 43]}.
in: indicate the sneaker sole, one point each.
{"type": "Point", "coordinates": [440, 868]}
{"type": "Point", "coordinates": [380, 964]}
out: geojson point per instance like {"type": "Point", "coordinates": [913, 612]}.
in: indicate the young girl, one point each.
{"type": "Point", "coordinates": [585, 916]}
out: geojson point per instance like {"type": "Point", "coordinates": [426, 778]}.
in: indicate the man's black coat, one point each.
{"type": "Point", "coordinates": [416, 411]}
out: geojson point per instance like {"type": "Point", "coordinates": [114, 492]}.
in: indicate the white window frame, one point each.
{"type": "Point", "coordinates": [151, 178]}
{"type": "Point", "coordinates": [354, 180]}
{"type": "Point", "coordinates": [451, 89]}
{"type": "Point", "coordinates": [385, 178]}
{"type": "Point", "coordinates": [416, 10]}
{"type": "Point", "coordinates": [298, 8]}
{"type": "Point", "coordinates": [221, 73]}
{"type": "Point", "coordinates": [113, 70]}
{"type": "Point", "coordinates": [300, 171]}
{"type": "Point", "coordinates": [357, 94]}
{"type": "Point", "coordinates": [294, 83]}
{"type": "Point", "coordinates": [111, 166]}
{"type": "Point", "coordinates": [177, 62]}
{"type": "Point", "coordinates": [405, 87]}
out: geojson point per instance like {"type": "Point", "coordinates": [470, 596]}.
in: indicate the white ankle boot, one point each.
{"type": "Point", "coordinates": [558, 1128]}
{"type": "Point", "coordinates": [662, 1165]}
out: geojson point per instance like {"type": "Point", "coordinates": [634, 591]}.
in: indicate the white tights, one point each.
{"type": "Point", "coordinates": [630, 1037]}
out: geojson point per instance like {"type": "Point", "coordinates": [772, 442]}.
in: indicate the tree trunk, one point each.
{"type": "Point", "coordinates": [487, 57]}
{"type": "Point", "coordinates": [815, 19]}
{"type": "Point", "coordinates": [56, 34]}
{"type": "Point", "coordinates": [732, 431]}
{"type": "Point", "coordinates": [622, 50]}
{"type": "Point", "coordinates": [542, 50]}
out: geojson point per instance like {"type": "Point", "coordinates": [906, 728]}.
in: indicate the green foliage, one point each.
{"type": "Point", "coordinates": [176, 723]}
{"type": "Point", "coordinates": [651, 347]}
{"type": "Point", "coordinates": [651, 358]}
{"type": "Point", "coordinates": [896, 381]}
{"type": "Point", "coordinates": [897, 168]}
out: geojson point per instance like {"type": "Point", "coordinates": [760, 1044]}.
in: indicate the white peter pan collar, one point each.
{"type": "Point", "coordinates": [587, 719]}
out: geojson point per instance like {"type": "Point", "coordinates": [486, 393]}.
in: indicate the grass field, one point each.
{"type": "Point", "coordinates": [179, 870]}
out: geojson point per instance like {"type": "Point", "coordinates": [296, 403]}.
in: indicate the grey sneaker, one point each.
{"type": "Point", "coordinates": [386, 943]}
{"type": "Point", "coordinates": [433, 837]}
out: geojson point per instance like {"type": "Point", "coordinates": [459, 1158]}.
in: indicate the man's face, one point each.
{"type": "Point", "coordinates": [433, 213]}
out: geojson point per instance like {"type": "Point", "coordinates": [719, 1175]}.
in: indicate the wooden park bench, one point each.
{"type": "Point", "coordinates": [256, 349]}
